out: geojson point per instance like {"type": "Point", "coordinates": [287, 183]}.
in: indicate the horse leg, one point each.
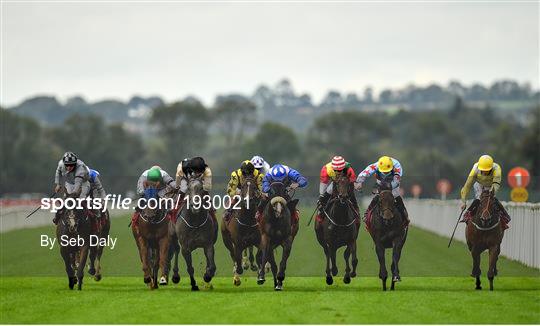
{"type": "Point", "coordinates": [287, 246]}
{"type": "Point", "coordinates": [329, 279]}
{"type": "Point", "coordinates": [396, 255]}
{"type": "Point", "coordinates": [265, 248]}
{"type": "Point", "coordinates": [163, 255]}
{"type": "Point", "coordinates": [493, 257]}
{"type": "Point", "coordinates": [354, 258]}
{"type": "Point", "coordinates": [238, 265]}
{"type": "Point", "coordinates": [176, 275]}
{"type": "Point", "coordinates": [143, 253]}
{"type": "Point", "coordinates": [64, 251]}
{"type": "Point", "coordinates": [273, 266]}
{"type": "Point", "coordinates": [245, 258]}
{"type": "Point", "coordinates": [332, 251]}
{"type": "Point", "coordinates": [93, 254]}
{"type": "Point", "coordinates": [97, 277]}
{"type": "Point", "coordinates": [346, 256]}
{"type": "Point", "coordinates": [210, 263]}
{"type": "Point", "coordinates": [252, 264]}
{"type": "Point", "coordinates": [476, 272]}
{"type": "Point", "coordinates": [82, 263]}
{"type": "Point", "coordinates": [383, 274]}
{"type": "Point", "coordinates": [189, 264]}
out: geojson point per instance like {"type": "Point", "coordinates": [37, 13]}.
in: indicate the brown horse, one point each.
{"type": "Point", "coordinates": [387, 231]}
{"type": "Point", "coordinates": [74, 224]}
{"type": "Point", "coordinates": [339, 228]}
{"type": "Point", "coordinates": [277, 229]}
{"type": "Point", "coordinates": [241, 230]}
{"type": "Point", "coordinates": [100, 228]}
{"type": "Point", "coordinates": [151, 235]}
{"type": "Point", "coordinates": [484, 232]}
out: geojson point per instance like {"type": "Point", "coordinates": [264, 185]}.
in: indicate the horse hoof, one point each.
{"type": "Point", "coordinates": [163, 281]}
{"type": "Point", "coordinates": [97, 277]}
{"type": "Point", "coordinates": [278, 287]}
{"type": "Point", "coordinates": [147, 280]}
{"type": "Point", "coordinates": [237, 281]}
{"type": "Point", "coordinates": [195, 288]}
{"type": "Point", "coordinates": [176, 279]}
{"type": "Point", "coordinates": [353, 274]}
{"type": "Point", "coordinates": [253, 268]}
{"type": "Point", "coordinates": [207, 278]}
{"type": "Point", "coordinates": [334, 271]}
{"type": "Point", "coordinates": [92, 271]}
{"type": "Point", "coordinates": [346, 280]}
{"type": "Point", "coordinates": [260, 281]}
{"type": "Point", "coordinates": [396, 278]}
{"type": "Point", "coordinates": [478, 288]}
{"type": "Point", "coordinates": [329, 280]}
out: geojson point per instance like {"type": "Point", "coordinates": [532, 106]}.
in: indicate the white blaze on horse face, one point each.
{"type": "Point", "coordinates": [278, 209]}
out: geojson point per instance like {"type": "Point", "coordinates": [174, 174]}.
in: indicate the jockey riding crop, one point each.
{"type": "Point", "coordinates": [35, 210]}
{"type": "Point", "coordinates": [311, 218]}
{"type": "Point", "coordinates": [459, 219]}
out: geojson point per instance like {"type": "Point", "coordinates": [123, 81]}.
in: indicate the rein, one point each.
{"type": "Point", "coordinates": [337, 224]}
{"type": "Point", "coordinates": [486, 229]}
{"type": "Point", "coordinates": [150, 222]}
{"type": "Point", "coordinates": [191, 226]}
{"type": "Point", "coordinates": [244, 224]}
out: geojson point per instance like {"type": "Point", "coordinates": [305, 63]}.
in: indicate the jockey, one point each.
{"type": "Point", "coordinates": [329, 172]}
{"type": "Point", "coordinates": [74, 175]}
{"type": "Point", "coordinates": [247, 168]}
{"type": "Point", "coordinates": [386, 169]}
{"type": "Point", "coordinates": [280, 173]}
{"type": "Point", "coordinates": [193, 167]}
{"type": "Point", "coordinates": [484, 175]}
{"type": "Point", "coordinates": [153, 181]}
{"type": "Point", "coordinates": [260, 164]}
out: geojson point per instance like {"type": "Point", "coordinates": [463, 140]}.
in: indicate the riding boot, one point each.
{"type": "Point", "coordinates": [323, 200]}
{"type": "Point", "coordinates": [401, 207]}
{"type": "Point", "coordinates": [354, 202]}
{"type": "Point", "coordinates": [505, 218]}
{"type": "Point", "coordinates": [260, 208]}
{"type": "Point", "coordinates": [56, 217]}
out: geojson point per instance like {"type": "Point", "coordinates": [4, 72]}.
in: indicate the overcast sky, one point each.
{"type": "Point", "coordinates": [104, 50]}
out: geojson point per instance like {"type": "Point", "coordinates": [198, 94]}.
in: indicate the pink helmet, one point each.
{"type": "Point", "coordinates": [338, 163]}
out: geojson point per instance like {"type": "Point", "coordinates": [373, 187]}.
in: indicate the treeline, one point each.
{"type": "Point", "coordinates": [430, 145]}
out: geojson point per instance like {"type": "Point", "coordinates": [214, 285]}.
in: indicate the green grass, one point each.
{"type": "Point", "coordinates": [436, 287]}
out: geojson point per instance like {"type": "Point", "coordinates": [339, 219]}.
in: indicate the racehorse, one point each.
{"type": "Point", "coordinates": [484, 232]}
{"type": "Point", "coordinates": [339, 228]}
{"type": "Point", "coordinates": [151, 235]}
{"type": "Point", "coordinates": [386, 227]}
{"type": "Point", "coordinates": [277, 229]}
{"type": "Point", "coordinates": [74, 224]}
{"type": "Point", "coordinates": [241, 229]}
{"type": "Point", "coordinates": [100, 228]}
{"type": "Point", "coordinates": [195, 228]}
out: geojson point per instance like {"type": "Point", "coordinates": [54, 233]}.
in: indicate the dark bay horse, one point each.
{"type": "Point", "coordinates": [485, 232]}
{"type": "Point", "coordinates": [74, 224]}
{"type": "Point", "coordinates": [152, 238]}
{"type": "Point", "coordinates": [196, 228]}
{"type": "Point", "coordinates": [339, 228]}
{"type": "Point", "coordinates": [387, 231]}
{"type": "Point", "coordinates": [241, 230]}
{"type": "Point", "coordinates": [100, 228]}
{"type": "Point", "coordinates": [277, 229]}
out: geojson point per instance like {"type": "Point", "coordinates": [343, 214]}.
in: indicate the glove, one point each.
{"type": "Point", "coordinates": [238, 191]}
{"type": "Point", "coordinates": [357, 186]}
{"type": "Point", "coordinates": [294, 185]}
{"type": "Point", "coordinates": [57, 188]}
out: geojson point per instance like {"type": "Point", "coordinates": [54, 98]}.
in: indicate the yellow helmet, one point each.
{"type": "Point", "coordinates": [485, 163]}
{"type": "Point", "coordinates": [385, 164]}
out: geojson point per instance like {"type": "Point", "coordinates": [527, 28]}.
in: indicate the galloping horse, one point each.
{"type": "Point", "coordinates": [242, 230]}
{"type": "Point", "coordinates": [151, 235]}
{"type": "Point", "coordinates": [386, 227]}
{"type": "Point", "coordinates": [100, 228]}
{"type": "Point", "coordinates": [484, 232]}
{"type": "Point", "coordinates": [277, 229]}
{"type": "Point", "coordinates": [74, 223]}
{"type": "Point", "coordinates": [339, 228]}
{"type": "Point", "coordinates": [196, 228]}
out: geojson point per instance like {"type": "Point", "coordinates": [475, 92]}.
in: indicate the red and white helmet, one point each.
{"type": "Point", "coordinates": [338, 163]}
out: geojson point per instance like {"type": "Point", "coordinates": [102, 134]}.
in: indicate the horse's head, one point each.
{"type": "Point", "coordinates": [195, 193]}
{"type": "Point", "coordinates": [152, 210]}
{"type": "Point", "coordinates": [249, 190]}
{"type": "Point", "coordinates": [341, 187]}
{"type": "Point", "coordinates": [279, 206]}
{"type": "Point", "coordinates": [278, 189]}
{"type": "Point", "coordinates": [487, 199]}
{"type": "Point", "coordinates": [386, 201]}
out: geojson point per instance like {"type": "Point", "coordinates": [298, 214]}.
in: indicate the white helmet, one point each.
{"type": "Point", "coordinates": [258, 162]}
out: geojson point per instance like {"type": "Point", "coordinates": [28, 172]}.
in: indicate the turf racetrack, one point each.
{"type": "Point", "coordinates": [435, 287]}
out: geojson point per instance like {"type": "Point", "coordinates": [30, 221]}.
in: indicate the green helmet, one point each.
{"type": "Point", "coordinates": [154, 174]}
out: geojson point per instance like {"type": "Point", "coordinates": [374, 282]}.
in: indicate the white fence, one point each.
{"type": "Point", "coordinates": [521, 241]}
{"type": "Point", "coordinates": [14, 217]}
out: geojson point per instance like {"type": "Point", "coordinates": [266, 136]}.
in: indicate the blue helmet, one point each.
{"type": "Point", "coordinates": [279, 172]}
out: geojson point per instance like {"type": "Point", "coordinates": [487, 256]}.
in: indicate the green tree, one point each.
{"type": "Point", "coordinates": [276, 143]}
